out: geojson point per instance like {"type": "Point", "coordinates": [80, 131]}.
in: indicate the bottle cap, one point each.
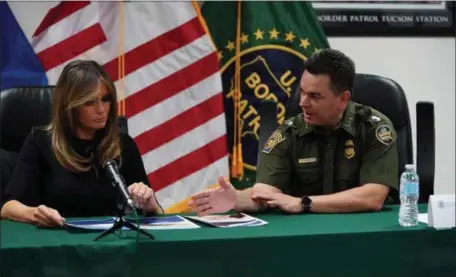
{"type": "Point", "coordinates": [409, 166]}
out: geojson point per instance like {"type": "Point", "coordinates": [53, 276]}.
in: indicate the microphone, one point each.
{"type": "Point", "coordinates": [112, 171]}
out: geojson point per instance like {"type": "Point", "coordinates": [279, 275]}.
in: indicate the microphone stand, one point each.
{"type": "Point", "coordinates": [120, 222]}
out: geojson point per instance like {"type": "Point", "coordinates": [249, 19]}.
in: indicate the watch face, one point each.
{"type": "Point", "coordinates": [306, 201]}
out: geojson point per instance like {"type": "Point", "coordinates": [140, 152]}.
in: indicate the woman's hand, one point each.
{"type": "Point", "coordinates": [46, 217]}
{"type": "Point", "coordinates": [144, 198]}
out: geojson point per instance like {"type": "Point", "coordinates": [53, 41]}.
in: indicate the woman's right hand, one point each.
{"type": "Point", "coordinates": [46, 217]}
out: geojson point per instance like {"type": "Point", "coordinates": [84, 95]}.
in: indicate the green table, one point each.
{"type": "Point", "coordinates": [365, 244]}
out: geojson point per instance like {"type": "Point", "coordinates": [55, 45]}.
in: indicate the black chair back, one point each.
{"type": "Point", "coordinates": [388, 97]}
{"type": "Point", "coordinates": [21, 109]}
{"type": "Point", "coordinates": [425, 148]}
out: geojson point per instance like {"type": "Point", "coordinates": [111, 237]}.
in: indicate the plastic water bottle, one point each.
{"type": "Point", "coordinates": [409, 193]}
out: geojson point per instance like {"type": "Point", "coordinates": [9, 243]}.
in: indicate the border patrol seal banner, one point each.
{"type": "Point", "coordinates": [385, 134]}
{"type": "Point", "coordinates": [263, 60]}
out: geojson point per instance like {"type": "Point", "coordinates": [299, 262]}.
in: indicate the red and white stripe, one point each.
{"type": "Point", "coordinates": [173, 97]}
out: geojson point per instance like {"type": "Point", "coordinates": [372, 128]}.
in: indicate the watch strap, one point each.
{"type": "Point", "coordinates": [306, 204]}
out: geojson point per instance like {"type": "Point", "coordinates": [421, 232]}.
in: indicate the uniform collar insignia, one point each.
{"type": "Point", "coordinates": [348, 121]}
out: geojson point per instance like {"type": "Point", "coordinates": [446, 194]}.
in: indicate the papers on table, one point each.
{"type": "Point", "coordinates": [170, 222]}
{"type": "Point", "coordinates": [233, 220]}
{"type": "Point", "coordinates": [423, 218]}
{"type": "Point", "coordinates": [147, 223]}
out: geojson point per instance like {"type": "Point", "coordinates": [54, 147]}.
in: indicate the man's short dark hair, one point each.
{"type": "Point", "coordinates": [335, 64]}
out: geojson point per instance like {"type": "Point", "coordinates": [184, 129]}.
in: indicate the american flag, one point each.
{"type": "Point", "coordinates": [165, 69]}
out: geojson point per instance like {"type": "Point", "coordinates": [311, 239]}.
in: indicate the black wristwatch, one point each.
{"type": "Point", "coordinates": [306, 204]}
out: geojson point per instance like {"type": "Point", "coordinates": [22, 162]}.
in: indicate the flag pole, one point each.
{"type": "Point", "coordinates": [240, 162]}
{"type": "Point", "coordinates": [121, 60]}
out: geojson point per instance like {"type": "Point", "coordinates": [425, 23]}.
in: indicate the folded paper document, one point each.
{"type": "Point", "coordinates": [229, 220]}
{"type": "Point", "coordinates": [146, 223]}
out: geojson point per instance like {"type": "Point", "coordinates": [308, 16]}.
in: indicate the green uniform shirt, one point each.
{"type": "Point", "coordinates": [301, 159]}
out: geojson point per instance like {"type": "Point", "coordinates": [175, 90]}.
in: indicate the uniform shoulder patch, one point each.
{"type": "Point", "coordinates": [385, 134]}
{"type": "Point", "coordinates": [276, 138]}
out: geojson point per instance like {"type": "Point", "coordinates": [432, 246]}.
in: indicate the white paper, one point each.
{"type": "Point", "coordinates": [146, 223]}
{"type": "Point", "coordinates": [423, 218]}
{"type": "Point", "coordinates": [226, 221]}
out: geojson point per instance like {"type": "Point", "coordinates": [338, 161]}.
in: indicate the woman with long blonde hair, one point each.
{"type": "Point", "coordinates": [59, 173]}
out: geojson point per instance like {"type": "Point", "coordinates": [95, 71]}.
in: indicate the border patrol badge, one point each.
{"type": "Point", "coordinates": [384, 134]}
{"type": "Point", "coordinates": [273, 140]}
{"type": "Point", "coordinates": [349, 151]}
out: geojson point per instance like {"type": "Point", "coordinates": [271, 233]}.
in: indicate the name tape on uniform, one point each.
{"type": "Point", "coordinates": [307, 160]}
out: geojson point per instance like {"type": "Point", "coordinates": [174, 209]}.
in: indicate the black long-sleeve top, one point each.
{"type": "Point", "coordinates": [40, 179]}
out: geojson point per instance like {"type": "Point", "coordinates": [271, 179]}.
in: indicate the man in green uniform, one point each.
{"type": "Point", "coordinates": [336, 156]}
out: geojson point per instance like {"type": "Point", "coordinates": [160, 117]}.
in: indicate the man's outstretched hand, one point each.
{"type": "Point", "coordinates": [215, 200]}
